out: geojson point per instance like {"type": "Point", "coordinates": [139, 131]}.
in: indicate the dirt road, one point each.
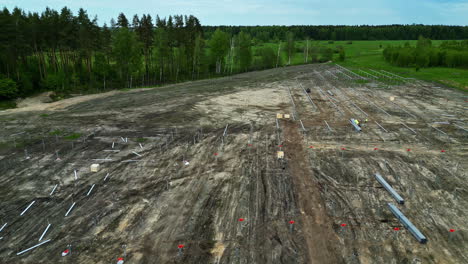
{"type": "Point", "coordinates": [320, 238]}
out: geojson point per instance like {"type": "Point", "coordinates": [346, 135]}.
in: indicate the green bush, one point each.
{"type": "Point", "coordinates": [8, 89]}
{"type": "Point", "coordinates": [342, 55]}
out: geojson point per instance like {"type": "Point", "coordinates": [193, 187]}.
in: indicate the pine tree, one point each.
{"type": "Point", "coordinates": [122, 21]}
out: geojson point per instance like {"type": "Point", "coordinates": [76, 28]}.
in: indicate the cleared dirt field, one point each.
{"type": "Point", "coordinates": [145, 201]}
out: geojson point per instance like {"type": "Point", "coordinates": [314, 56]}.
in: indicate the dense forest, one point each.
{"type": "Point", "coordinates": [387, 32]}
{"type": "Point", "coordinates": [71, 53]}
{"type": "Point", "coordinates": [447, 54]}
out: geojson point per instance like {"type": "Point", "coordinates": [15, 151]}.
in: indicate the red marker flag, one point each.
{"type": "Point", "coordinates": [343, 225]}
{"type": "Point", "coordinates": [452, 230]}
{"type": "Point", "coordinates": [180, 246]}
{"type": "Point", "coordinates": [241, 219]}
{"type": "Point", "coordinates": [396, 228]}
{"type": "Point", "coordinates": [292, 222]}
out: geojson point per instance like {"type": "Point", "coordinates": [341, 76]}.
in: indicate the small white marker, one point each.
{"type": "Point", "coordinates": [112, 144]}
{"type": "Point", "coordinates": [141, 146]}
{"type": "Point", "coordinates": [136, 154]}
{"type": "Point", "coordinates": [89, 192]}
{"type": "Point", "coordinates": [126, 139]}
{"type": "Point", "coordinates": [45, 231]}
{"type": "Point", "coordinates": [69, 210]}
{"type": "Point", "coordinates": [27, 208]}
{"type": "Point", "coordinates": [53, 190]}
{"type": "Point", "coordinates": [76, 177]}
{"type": "Point", "coordinates": [105, 178]}
{"type": "Point", "coordinates": [122, 139]}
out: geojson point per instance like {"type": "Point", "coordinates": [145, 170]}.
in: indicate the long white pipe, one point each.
{"type": "Point", "coordinates": [69, 210]}
{"type": "Point", "coordinates": [3, 226]}
{"type": "Point", "coordinates": [90, 189]}
{"type": "Point", "coordinates": [53, 190]}
{"type": "Point", "coordinates": [33, 247]}
{"type": "Point", "coordinates": [45, 231]}
{"type": "Point", "coordinates": [27, 208]}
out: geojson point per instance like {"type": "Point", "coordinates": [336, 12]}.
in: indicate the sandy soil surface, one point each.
{"type": "Point", "coordinates": [234, 201]}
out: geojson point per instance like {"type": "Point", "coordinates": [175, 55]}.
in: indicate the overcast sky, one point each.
{"type": "Point", "coordinates": [271, 12]}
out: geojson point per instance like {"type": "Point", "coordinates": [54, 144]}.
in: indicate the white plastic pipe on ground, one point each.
{"type": "Point", "coordinates": [53, 190]}
{"type": "Point", "coordinates": [90, 189]}
{"type": "Point", "coordinates": [33, 247]}
{"type": "Point", "coordinates": [69, 210]}
{"type": "Point", "coordinates": [27, 208]}
{"type": "Point", "coordinates": [43, 233]}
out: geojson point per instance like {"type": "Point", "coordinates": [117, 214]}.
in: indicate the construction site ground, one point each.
{"type": "Point", "coordinates": [233, 202]}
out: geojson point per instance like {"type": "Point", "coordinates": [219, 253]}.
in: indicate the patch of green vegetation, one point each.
{"type": "Point", "coordinates": [55, 132]}
{"type": "Point", "coordinates": [73, 136]}
{"type": "Point", "coordinates": [361, 81]}
{"type": "Point", "coordinates": [7, 104]}
{"type": "Point", "coordinates": [368, 55]}
{"type": "Point", "coordinates": [141, 140]}
{"type": "Point", "coordinates": [44, 115]}
{"type": "Point", "coordinates": [4, 145]}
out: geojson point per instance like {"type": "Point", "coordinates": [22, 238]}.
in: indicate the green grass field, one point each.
{"type": "Point", "coordinates": [368, 55]}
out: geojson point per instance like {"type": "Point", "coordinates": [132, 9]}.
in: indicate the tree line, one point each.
{"type": "Point", "coordinates": [424, 54]}
{"type": "Point", "coordinates": [363, 32]}
{"type": "Point", "coordinates": [70, 53]}
{"type": "Point", "coordinates": [65, 53]}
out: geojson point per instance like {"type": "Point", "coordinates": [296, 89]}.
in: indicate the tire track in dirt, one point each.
{"type": "Point", "coordinates": [318, 232]}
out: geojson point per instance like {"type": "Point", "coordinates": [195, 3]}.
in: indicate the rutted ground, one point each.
{"type": "Point", "coordinates": [149, 204]}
